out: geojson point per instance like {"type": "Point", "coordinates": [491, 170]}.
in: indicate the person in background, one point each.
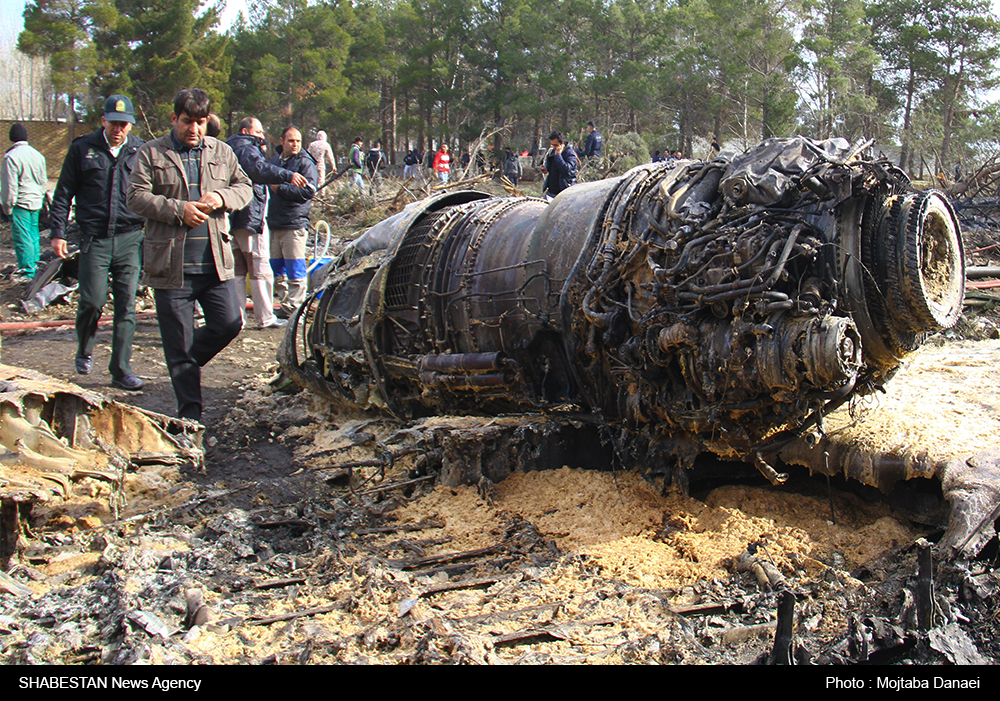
{"type": "Point", "coordinates": [594, 144]}
{"type": "Point", "coordinates": [22, 190]}
{"type": "Point", "coordinates": [512, 167]}
{"type": "Point", "coordinates": [322, 153]}
{"type": "Point", "coordinates": [251, 240]}
{"type": "Point", "coordinates": [561, 165]}
{"type": "Point", "coordinates": [442, 164]}
{"type": "Point", "coordinates": [355, 164]}
{"type": "Point", "coordinates": [288, 219]}
{"type": "Point", "coordinates": [375, 163]}
{"type": "Point", "coordinates": [214, 126]}
{"type": "Point", "coordinates": [410, 164]}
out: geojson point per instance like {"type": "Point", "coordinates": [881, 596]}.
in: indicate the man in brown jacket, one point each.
{"type": "Point", "coordinates": [185, 184]}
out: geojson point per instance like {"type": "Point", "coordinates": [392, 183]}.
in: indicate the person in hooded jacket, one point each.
{"type": "Point", "coordinates": [512, 168]}
{"type": "Point", "coordinates": [251, 247]}
{"type": "Point", "coordinates": [322, 153]}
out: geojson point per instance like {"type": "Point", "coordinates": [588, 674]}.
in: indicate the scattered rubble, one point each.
{"type": "Point", "coordinates": [311, 535]}
{"type": "Point", "coordinates": [62, 442]}
{"type": "Point", "coordinates": [359, 549]}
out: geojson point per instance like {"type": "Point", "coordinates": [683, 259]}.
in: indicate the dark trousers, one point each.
{"type": "Point", "coordinates": [187, 349]}
{"type": "Point", "coordinates": [119, 257]}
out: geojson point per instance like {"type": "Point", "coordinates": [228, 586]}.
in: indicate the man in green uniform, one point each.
{"type": "Point", "coordinates": [96, 173]}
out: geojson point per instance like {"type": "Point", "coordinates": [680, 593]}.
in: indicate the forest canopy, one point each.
{"type": "Point", "coordinates": [914, 75]}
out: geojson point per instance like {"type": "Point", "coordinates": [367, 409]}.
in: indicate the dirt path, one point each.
{"type": "Point", "coordinates": [51, 351]}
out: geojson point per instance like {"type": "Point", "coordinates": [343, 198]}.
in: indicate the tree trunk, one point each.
{"type": "Point", "coordinates": [393, 119]}
{"type": "Point", "coordinates": [536, 136]}
{"type": "Point", "coordinates": [71, 117]}
{"type": "Point", "coordinates": [904, 150]}
{"type": "Point", "coordinates": [949, 119]}
{"type": "Point", "coordinates": [498, 120]}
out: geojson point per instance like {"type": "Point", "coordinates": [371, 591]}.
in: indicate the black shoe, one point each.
{"type": "Point", "coordinates": [129, 382]}
{"type": "Point", "coordinates": [281, 313]}
{"type": "Point", "coordinates": [84, 364]}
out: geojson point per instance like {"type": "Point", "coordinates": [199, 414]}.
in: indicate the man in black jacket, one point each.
{"type": "Point", "coordinates": [375, 162]}
{"type": "Point", "coordinates": [250, 247]}
{"type": "Point", "coordinates": [561, 165]}
{"type": "Point", "coordinates": [96, 173]}
{"type": "Point", "coordinates": [288, 219]}
{"type": "Point", "coordinates": [594, 144]}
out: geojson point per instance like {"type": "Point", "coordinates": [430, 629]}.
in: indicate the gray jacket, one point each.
{"type": "Point", "coordinates": [158, 191]}
{"type": "Point", "coordinates": [23, 178]}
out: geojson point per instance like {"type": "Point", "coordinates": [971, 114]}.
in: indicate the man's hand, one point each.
{"type": "Point", "coordinates": [195, 214]}
{"type": "Point", "coordinates": [298, 180]}
{"type": "Point", "coordinates": [209, 202]}
{"type": "Point", "coordinates": [559, 148]}
{"type": "Point", "coordinates": [59, 247]}
{"type": "Point", "coordinates": [198, 211]}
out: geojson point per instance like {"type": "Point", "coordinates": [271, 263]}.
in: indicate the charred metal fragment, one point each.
{"type": "Point", "coordinates": [723, 301]}
{"type": "Point", "coordinates": [925, 585]}
{"type": "Point", "coordinates": [781, 652]}
{"type": "Point", "coordinates": [970, 486]}
{"type": "Point", "coordinates": [721, 306]}
{"type": "Point", "coordinates": [53, 434]}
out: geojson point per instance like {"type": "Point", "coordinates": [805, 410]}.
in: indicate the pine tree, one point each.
{"type": "Point", "coordinates": [62, 30]}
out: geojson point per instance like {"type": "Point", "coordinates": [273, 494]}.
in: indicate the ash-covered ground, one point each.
{"type": "Point", "coordinates": [317, 537]}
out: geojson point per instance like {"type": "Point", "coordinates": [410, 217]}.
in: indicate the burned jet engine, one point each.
{"type": "Point", "coordinates": [722, 306]}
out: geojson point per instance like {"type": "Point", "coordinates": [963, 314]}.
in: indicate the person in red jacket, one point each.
{"type": "Point", "coordinates": [442, 164]}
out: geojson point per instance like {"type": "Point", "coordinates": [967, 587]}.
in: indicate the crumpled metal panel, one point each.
{"type": "Point", "coordinates": [770, 172]}
{"type": "Point", "coordinates": [970, 486]}
{"type": "Point", "coordinates": [53, 433]}
{"type": "Point", "coordinates": [59, 427]}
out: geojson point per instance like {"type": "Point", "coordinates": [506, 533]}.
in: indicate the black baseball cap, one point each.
{"type": "Point", "coordinates": [118, 108]}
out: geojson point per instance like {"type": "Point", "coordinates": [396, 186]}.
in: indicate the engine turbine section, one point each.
{"type": "Point", "coordinates": [723, 305]}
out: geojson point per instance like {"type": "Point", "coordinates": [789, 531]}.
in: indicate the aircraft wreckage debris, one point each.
{"type": "Point", "coordinates": [725, 307]}
{"type": "Point", "coordinates": [54, 434]}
